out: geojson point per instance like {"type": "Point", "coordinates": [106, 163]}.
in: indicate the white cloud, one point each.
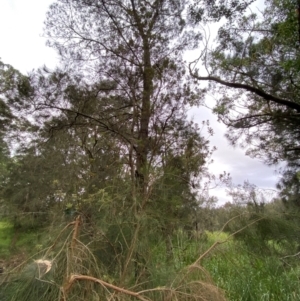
{"type": "Point", "coordinates": [233, 159]}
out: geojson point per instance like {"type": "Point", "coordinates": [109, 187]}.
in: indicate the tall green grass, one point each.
{"type": "Point", "coordinates": [244, 275]}
{"type": "Point", "coordinates": [13, 241]}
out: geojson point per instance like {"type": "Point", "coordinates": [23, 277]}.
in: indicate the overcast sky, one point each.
{"type": "Point", "coordinates": [23, 46]}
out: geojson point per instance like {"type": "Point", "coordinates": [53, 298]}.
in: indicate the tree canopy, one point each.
{"type": "Point", "coordinates": [254, 67]}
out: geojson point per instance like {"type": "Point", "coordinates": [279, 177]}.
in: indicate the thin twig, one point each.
{"type": "Point", "coordinates": [223, 241]}
{"type": "Point", "coordinates": [294, 255]}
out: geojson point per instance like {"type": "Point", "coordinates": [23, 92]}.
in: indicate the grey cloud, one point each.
{"type": "Point", "coordinates": [233, 159]}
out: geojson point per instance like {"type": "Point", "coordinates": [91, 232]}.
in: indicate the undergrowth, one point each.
{"type": "Point", "coordinates": [6, 234]}
{"type": "Point", "coordinates": [68, 270]}
{"type": "Point", "coordinates": [243, 274]}
{"type": "Point", "coordinates": [75, 273]}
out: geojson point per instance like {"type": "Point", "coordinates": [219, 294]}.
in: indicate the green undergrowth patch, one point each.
{"type": "Point", "coordinates": [6, 234]}
{"type": "Point", "coordinates": [30, 240]}
{"type": "Point", "coordinates": [15, 241]}
{"type": "Point", "coordinates": [244, 274]}
{"type": "Point", "coordinates": [250, 276]}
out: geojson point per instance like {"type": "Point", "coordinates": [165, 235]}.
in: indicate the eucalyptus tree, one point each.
{"type": "Point", "coordinates": [123, 80]}
{"type": "Point", "coordinates": [129, 55]}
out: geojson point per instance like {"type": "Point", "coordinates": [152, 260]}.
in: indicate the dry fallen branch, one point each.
{"type": "Point", "coordinates": [76, 231]}
{"type": "Point", "coordinates": [74, 278]}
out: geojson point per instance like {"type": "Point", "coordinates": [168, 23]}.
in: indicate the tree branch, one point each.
{"type": "Point", "coordinates": [257, 91]}
{"type": "Point", "coordinates": [74, 278]}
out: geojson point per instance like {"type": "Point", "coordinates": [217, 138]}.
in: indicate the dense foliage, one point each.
{"type": "Point", "coordinates": [104, 179]}
{"type": "Point", "coordinates": [257, 54]}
